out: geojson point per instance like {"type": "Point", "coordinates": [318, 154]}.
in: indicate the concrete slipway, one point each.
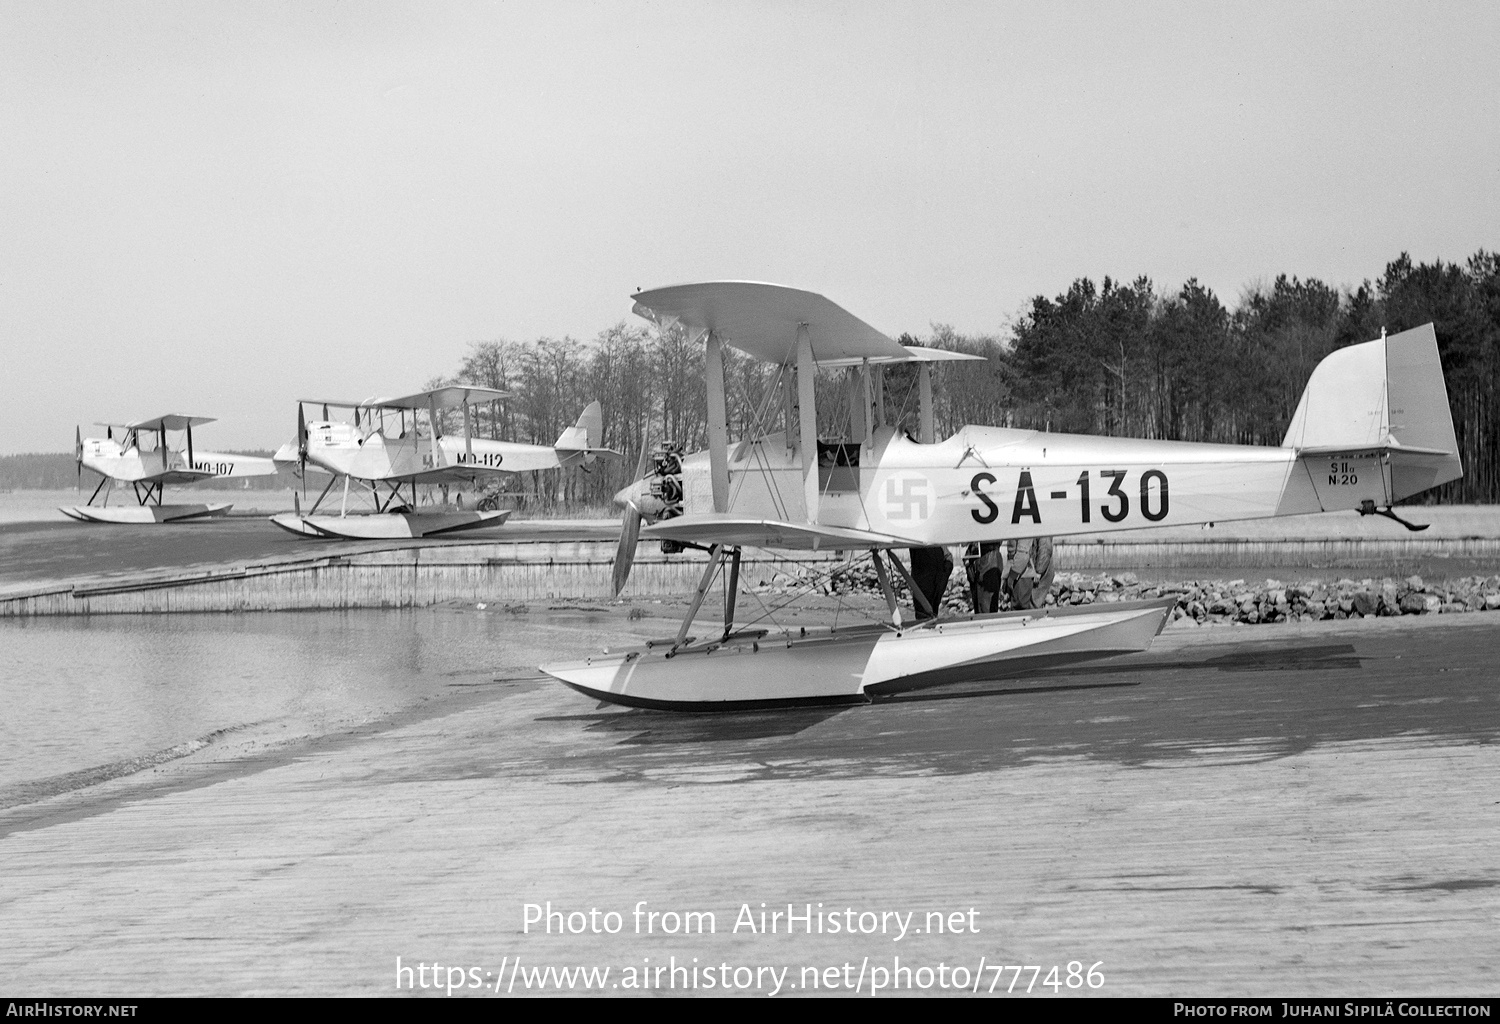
{"type": "Point", "coordinates": [1305, 809]}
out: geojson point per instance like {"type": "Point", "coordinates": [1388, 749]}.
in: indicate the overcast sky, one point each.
{"type": "Point", "coordinates": [214, 208]}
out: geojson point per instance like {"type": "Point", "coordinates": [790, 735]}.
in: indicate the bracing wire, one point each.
{"type": "Point", "coordinates": [806, 588]}
{"type": "Point", "coordinates": [756, 434]}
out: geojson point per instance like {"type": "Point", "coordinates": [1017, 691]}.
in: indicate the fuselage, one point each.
{"type": "Point", "coordinates": [996, 483]}
{"type": "Point", "coordinates": [343, 449]}
{"type": "Point", "coordinates": [129, 464]}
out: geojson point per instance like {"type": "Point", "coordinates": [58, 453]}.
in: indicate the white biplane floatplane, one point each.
{"type": "Point", "coordinates": [399, 443]}
{"type": "Point", "coordinates": [1373, 427]}
{"type": "Point", "coordinates": [143, 458]}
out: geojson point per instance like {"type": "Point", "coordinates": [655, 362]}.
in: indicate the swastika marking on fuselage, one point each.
{"type": "Point", "coordinates": [906, 497]}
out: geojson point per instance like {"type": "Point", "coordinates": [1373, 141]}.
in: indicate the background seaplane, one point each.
{"type": "Point", "coordinates": [396, 443]}
{"type": "Point", "coordinates": [1372, 427]}
{"type": "Point", "coordinates": [143, 458]}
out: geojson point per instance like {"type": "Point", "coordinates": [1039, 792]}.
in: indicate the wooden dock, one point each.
{"type": "Point", "coordinates": [414, 575]}
{"type": "Point", "coordinates": [386, 577]}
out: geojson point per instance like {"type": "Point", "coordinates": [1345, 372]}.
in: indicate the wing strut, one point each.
{"type": "Point", "coordinates": [432, 428]}
{"type": "Point", "coordinates": [161, 485]}
{"type": "Point", "coordinates": [866, 401]}
{"type": "Point", "coordinates": [807, 372]}
{"type": "Point", "coordinates": [927, 429]}
{"type": "Point", "coordinates": [718, 431]}
{"type": "Point", "coordinates": [789, 424]}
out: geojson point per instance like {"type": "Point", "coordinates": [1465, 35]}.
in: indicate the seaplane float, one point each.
{"type": "Point", "coordinates": [1372, 427]}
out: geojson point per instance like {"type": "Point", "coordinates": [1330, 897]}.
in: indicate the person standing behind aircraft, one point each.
{"type": "Point", "coordinates": [1028, 580]}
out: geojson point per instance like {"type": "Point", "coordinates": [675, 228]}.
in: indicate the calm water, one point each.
{"type": "Point", "coordinates": [81, 692]}
{"type": "Point", "coordinates": [42, 506]}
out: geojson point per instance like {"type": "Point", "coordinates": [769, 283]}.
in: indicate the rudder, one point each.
{"type": "Point", "coordinates": [1378, 411]}
{"type": "Point", "coordinates": [586, 434]}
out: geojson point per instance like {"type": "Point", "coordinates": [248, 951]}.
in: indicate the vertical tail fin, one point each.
{"type": "Point", "coordinates": [1382, 400]}
{"type": "Point", "coordinates": [586, 433]}
{"type": "Point", "coordinates": [1420, 417]}
{"type": "Point", "coordinates": [1344, 403]}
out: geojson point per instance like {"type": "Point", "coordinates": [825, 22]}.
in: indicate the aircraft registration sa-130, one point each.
{"type": "Point", "coordinates": [399, 443]}
{"type": "Point", "coordinates": [1372, 427]}
{"type": "Point", "coordinates": [143, 458]}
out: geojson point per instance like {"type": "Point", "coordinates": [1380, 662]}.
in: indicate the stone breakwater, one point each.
{"type": "Point", "coordinates": [1203, 602]}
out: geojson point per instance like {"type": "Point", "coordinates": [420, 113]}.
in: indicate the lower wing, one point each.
{"type": "Point", "coordinates": [449, 475]}
{"type": "Point", "coordinates": [769, 533]}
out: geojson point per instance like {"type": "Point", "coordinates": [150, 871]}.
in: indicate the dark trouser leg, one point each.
{"type": "Point", "coordinates": [930, 570]}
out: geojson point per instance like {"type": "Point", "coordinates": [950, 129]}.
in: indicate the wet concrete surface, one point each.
{"type": "Point", "coordinates": [1245, 695]}
{"type": "Point", "coordinates": [1295, 810]}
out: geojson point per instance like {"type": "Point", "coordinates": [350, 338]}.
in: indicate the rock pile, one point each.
{"type": "Point", "coordinates": [1201, 602]}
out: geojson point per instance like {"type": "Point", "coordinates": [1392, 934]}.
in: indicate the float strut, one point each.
{"type": "Point", "coordinates": [886, 589]}
{"type": "Point", "coordinates": [918, 598]}
{"type": "Point", "coordinates": [734, 587]}
{"type": "Point", "coordinates": [715, 556]}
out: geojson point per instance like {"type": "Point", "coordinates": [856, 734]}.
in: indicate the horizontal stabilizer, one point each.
{"type": "Point", "coordinates": [1389, 446]}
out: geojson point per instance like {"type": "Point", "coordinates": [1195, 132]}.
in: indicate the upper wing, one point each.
{"type": "Point", "coordinates": [171, 421]}
{"type": "Point", "coordinates": [449, 397]}
{"type": "Point", "coordinates": [769, 533]}
{"type": "Point", "coordinates": [914, 354]}
{"type": "Point", "coordinates": [762, 320]}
